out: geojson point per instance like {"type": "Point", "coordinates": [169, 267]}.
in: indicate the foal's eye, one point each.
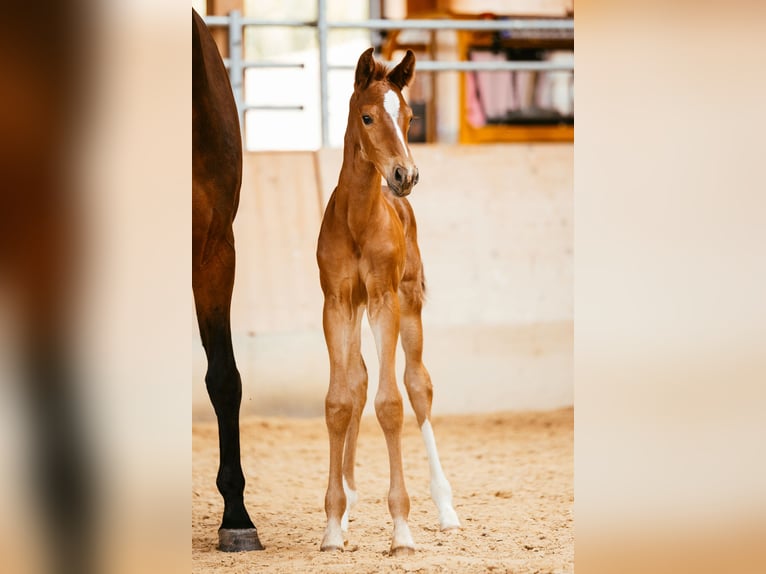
{"type": "Point", "coordinates": [367, 120]}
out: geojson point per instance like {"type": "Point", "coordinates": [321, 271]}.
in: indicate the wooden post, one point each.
{"type": "Point", "coordinates": [222, 8]}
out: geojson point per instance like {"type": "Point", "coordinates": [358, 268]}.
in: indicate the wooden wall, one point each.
{"type": "Point", "coordinates": [495, 231]}
{"type": "Point", "coordinates": [495, 227]}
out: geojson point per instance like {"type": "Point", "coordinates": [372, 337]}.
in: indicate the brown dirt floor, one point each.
{"type": "Point", "coordinates": [511, 475]}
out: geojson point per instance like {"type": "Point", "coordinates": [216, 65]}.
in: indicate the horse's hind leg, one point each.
{"type": "Point", "coordinates": [213, 282]}
{"type": "Point", "coordinates": [417, 381]}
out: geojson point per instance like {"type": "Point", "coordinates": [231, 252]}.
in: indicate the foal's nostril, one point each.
{"type": "Point", "coordinates": [399, 174]}
{"type": "Point", "coordinates": [416, 179]}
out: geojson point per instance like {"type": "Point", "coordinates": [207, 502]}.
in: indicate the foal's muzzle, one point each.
{"type": "Point", "coordinates": [401, 181]}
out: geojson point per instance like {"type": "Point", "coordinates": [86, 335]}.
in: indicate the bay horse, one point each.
{"type": "Point", "coordinates": [368, 256]}
{"type": "Point", "coordinates": [216, 180]}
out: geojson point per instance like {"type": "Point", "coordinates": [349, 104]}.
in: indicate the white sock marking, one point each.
{"type": "Point", "coordinates": [401, 537]}
{"type": "Point", "coordinates": [351, 499]}
{"type": "Point", "coordinates": [441, 492]}
{"type": "Point", "coordinates": [391, 105]}
{"type": "Point", "coordinates": [333, 536]}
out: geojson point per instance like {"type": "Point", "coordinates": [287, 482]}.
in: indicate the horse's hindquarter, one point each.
{"type": "Point", "coordinates": [216, 148]}
{"type": "Point", "coordinates": [216, 138]}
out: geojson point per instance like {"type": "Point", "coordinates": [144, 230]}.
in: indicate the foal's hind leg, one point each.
{"type": "Point", "coordinates": [383, 312]}
{"type": "Point", "coordinates": [213, 282]}
{"type": "Point", "coordinates": [357, 382]}
{"type": "Point", "coordinates": [420, 391]}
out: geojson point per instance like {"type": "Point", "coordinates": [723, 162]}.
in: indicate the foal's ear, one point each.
{"type": "Point", "coordinates": [364, 69]}
{"type": "Point", "coordinates": [403, 73]}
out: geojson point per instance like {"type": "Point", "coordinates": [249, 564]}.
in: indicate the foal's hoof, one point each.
{"type": "Point", "coordinates": [402, 551]}
{"type": "Point", "coordinates": [333, 539]}
{"type": "Point", "coordinates": [449, 526]}
{"type": "Point", "coordinates": [448, 519]}
{"type": "Point", "coordinates": [238, 540]}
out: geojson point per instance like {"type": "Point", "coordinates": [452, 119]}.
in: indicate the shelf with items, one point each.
{"type": "Point", "coordinates": [511, 106]}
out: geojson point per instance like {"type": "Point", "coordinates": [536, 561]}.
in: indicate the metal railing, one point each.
{"type": "Point", "coordinates": [235, 23]}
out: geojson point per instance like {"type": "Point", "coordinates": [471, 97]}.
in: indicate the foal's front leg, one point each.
{"type": "Point", "coordinates": [338, 329]}
{"type": "Point", "coordinates": [383, 311]}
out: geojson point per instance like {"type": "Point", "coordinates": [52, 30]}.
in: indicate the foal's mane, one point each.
{"type": "Point", "coordinates": [380, 72]}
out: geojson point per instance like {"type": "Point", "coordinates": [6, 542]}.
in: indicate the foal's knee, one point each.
{"type": "Point", "coordinates": [389, 411]}
{"type": "Point", "coordinates": [338, 409]}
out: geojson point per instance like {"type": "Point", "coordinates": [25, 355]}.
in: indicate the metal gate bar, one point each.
{"type": "Point", "coordinates": [236, 65]}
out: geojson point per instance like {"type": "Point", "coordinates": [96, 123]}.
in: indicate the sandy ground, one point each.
{"type": "Point", "coordinates": [512, 477]}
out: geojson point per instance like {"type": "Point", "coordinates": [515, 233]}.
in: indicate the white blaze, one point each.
{"type": "Point", "coordinates": [391, 105]}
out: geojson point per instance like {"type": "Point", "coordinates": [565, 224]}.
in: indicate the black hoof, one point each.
{"type": "Point", "coordinates": [238, 540]}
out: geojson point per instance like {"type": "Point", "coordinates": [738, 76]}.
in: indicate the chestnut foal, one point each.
{"type": "Point", "coordinates": [368, 256]}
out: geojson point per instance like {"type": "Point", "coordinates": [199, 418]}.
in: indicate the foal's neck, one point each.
{"type": "Point", "coordinates": [358, 184]}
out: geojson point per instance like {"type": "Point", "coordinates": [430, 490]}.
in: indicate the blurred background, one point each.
{"type": "Point", "coordinates": [494, 203]}
{"type": "Point", "coordinates": [669, 361]}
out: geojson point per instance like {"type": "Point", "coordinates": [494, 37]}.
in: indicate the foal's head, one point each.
{"type": "Point", "coordinates": [379, 118]}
